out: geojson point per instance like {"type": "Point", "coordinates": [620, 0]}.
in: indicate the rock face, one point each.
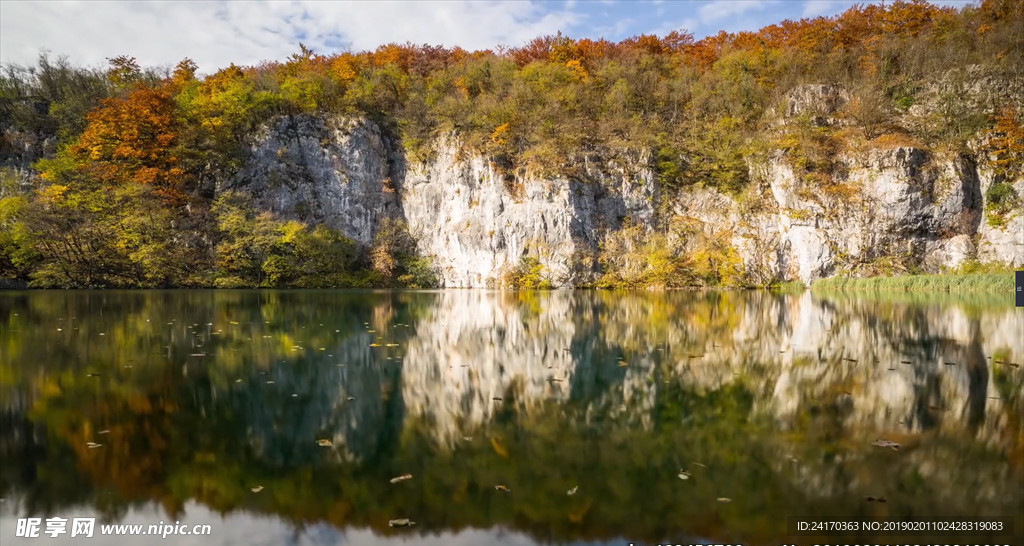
{"type": "Point", "coordinates": [335, 171]}
{"type": "Point", "coordinates": [479, 223]}
{"type": "Point", "coordinates": [899, 204]}
{"type": "Point", "coordinates": [890, 209]}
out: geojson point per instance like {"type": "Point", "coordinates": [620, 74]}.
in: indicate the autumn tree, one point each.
{"type": "Point", "coordinates": [128, 140]}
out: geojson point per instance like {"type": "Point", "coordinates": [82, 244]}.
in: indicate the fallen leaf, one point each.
{"type": "Point", "coordinates": [401, 522]}
{"type": "Point", "coordinates": [724, 499]}
{"type": "Point", "coordinates": [324, 443]}
{"type": "Point", "coordinates": [499, 448]}
{"type": "Point", "coordinates": [502, 488]}
{"type": "Point", "coordinates": [895, 446]}
{"type": "Point", "coordinates": [401, 478]}
{"type": "Point", "coordinates": [572, 491]}
{"type": "Point", "coordinates": [257, 489]}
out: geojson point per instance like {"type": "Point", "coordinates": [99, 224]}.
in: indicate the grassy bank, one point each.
{"type": "Point", "coordinates": [947, 282]}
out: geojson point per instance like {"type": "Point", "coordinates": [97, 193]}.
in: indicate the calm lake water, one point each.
{"type": "Point", "coordinates": [682, 416]}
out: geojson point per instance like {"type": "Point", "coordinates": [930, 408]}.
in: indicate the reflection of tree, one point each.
{"type": "Point", "coordinates": [758, 389]}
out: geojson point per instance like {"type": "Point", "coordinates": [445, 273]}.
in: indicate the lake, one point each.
{"type": "Point", "coordinates": [562, 417]}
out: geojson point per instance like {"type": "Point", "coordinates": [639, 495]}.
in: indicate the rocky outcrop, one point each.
{"type": "Point", "coordinates": [888, 208]}
{"type": "Point", "coordinates": [817, 101]}
{"type": "Point", "coordinates": [901, 204]}
{"type": "Point", "coordinates": [479, 222]}
{"type": "Point", "coordinates": [332, 171]}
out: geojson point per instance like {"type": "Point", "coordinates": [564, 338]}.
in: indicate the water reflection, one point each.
{"type": "Point", "coordinates": [204, 398]}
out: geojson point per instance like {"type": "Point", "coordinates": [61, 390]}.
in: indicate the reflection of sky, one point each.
{"type": "Point", "coordinates": [244, 529]}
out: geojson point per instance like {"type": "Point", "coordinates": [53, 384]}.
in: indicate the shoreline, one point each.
{"type": "Point", "coordinates": [938, 282]}
{"type": "Point", "coordinates": [991, 283]}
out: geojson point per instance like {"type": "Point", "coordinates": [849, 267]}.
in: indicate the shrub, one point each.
{"type": "Point", "coordinates": [530, 274]}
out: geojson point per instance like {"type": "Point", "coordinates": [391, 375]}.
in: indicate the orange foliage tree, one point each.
{"type": "Point", "coordinates": [133, 139]}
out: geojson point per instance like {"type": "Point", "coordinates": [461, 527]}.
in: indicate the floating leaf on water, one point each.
{"type": "Point", "coordinates": [623, 363]}
{"type": "Point", "coordinates": [323, 442]}
{"type": "Point", "coordinates": [497, 399]}
{"type": "Point", "coordinates": [350, 398]}
{"type": "Point", "coordinates": [375, 345]}
{"type": "Point", "coordinates": [295, 395]}
{"type": "Point", "coordinates": [895, 446]}
{"type": "Point", "coordinates": [702, 465]}
{"type": "Point", "coordinates": [197, 354]}
{"type": "Point", "coordinates": [271, 382]}
{"type": "Point", "coordinates": [92, 445]}
{"type": "Point", "coordinates": [372, 331]}
{"type": "Point", "coordinates": [684, 475]}
{"type": "Point", "coordinates": [105, 431]}
{"type": "Point", "coordinates": [401, 478]}
{"type": "Point", "coordinates": [234, 322]}
{"type": "Point", "coordinates": [572, 491]}
{"type": "Point", "coordinates": [502, 488]}
{"type": "Point", "coordinates": [499, 448]}
{"type": "Point", "coordinates": [401, 522]}
{"type": "Point", "coordinates": [724, 499]}
{"type": "Point", "coordinates": [391, 345]}
{"type": "Point", "coordinates": [238, 381]}
{"type": "Point", "coordinates": [257, 489]}
{"type": "Point", "coordinates": [875, 499]}
{"type": "Point", "coordinates": [467, 438]}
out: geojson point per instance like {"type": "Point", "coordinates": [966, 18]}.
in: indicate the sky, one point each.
{"type": "Point", "coordinates": [216, 33]}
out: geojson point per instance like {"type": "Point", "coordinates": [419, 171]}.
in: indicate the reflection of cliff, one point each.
{"type": "Point", "coordinates": [477, 346]}
{"type": "Point", "coordinates": [832, 374]}
{"type": "Point", "coordinates": [883, 367]}
{"type": "Point", "coordinates": [310, 399]}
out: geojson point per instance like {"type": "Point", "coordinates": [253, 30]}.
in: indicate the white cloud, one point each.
{"type": "Point", "coordinates": [814, 8]}
{"type": "Point", "coordinates": [688, 24]}
{"type": "Point", "coordinates": [215, 34]}
{"type": "Point", "coordinates": [722, 9]}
